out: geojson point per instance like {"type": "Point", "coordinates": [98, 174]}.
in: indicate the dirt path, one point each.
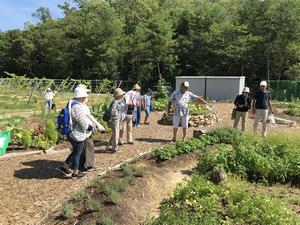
{"type": "Point", "coordinates": [30, 187]}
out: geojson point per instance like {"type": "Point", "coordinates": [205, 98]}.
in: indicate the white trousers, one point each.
{"type": "Point", "coordinates": [263, 115]}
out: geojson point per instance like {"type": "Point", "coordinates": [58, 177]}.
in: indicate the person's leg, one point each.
{"type": "Point", "coordinates": [138, 116]}
{"type": "Point", "coordinates": [122, 127]}
{"type": "Point", "coordinates": [129, 129]}
{"type": "Point", "coordinates": [256, 120]}
{"type": "Point", "coordinates": [115, 139]}
{"type": "Point", "coordinates": [237, 119]}
{"type": "Point", "coordinates": [50, 104]}
{"type": "Point", "coordinates": [89, 153]}
{"type": "Point", "coordinates": [78, 148]}
{"type": "Point", "coordinates": [264, 118]}
{"type": "Point", "coordinates": [185, 125]}
{"type": "Point", "coordinates": [176, 121]}
{"type": "Point", "coordinates": [147, 111]}
{"type": "Point", "coordinates": [244, 120]}
{"type": "Point", "coordinates": [83, 156]}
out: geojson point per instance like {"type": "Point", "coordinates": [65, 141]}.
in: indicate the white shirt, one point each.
{"type": "Point", "coordinates": [49, 95]}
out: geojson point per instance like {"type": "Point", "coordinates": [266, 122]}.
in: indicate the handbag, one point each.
{"type": "Point", "coordinates": [233, 114]}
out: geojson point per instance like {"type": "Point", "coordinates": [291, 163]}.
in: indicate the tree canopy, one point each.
{"type": "Point", "coordinates": [146, 39]}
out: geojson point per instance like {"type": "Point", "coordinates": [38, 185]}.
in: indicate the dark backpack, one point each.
{"type": "Point", "coordinates": [107, 114]}
{"type": "Point", "coordinates": [63, 120]}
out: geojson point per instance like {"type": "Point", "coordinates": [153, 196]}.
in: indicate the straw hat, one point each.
{"type": "Point", "coordinates": [246, 90]}
{"type": "Point", "coordinates": [136, 87]}
{"type": "Point", "coordinates": [80, 92]}
{"type": "Point", "coordinates": [119, 92]}
{"type": "Point", "coordinates": [263, 83]}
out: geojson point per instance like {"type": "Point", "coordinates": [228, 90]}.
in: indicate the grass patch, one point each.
{"type": "Point", "coordinates": [93, 204]}
{"type": "Point", "coordinates": [114, 197]}
{"type": "Point", "coordinates": [105, 221]}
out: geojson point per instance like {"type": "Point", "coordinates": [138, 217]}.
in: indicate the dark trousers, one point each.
{"type": "Point", "coordinates": [74, 158]}
{"type": "Point", "coordinates": [88, 155]}
{"type": "Point", "coordinates": [137, 119]}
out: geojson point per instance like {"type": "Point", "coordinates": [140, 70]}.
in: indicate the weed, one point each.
{"type": "Point", "coordinates": [93, 204]}
{"type": "Point", "coordinates": [51, 132]}
{"type": "Point", "coordinates": [114, 197]}
{"type": "Point", "coordinates": [105, 221]}
{"type": "Point", "coordinates": [115, 185]}
{"type": "Point", "coordinates": [97, 180]}
{"type": "Point", "coordinates": [131, 180]}
{"type": "Point", "coordinates": [82, 194]}
{"type": "Point", "coordinates": [68, 210]}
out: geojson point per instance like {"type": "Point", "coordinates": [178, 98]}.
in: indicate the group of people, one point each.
{"type": "Point", "coordinates": [123, 114]}
{"type": "Point", "coordinates": [261, 108]}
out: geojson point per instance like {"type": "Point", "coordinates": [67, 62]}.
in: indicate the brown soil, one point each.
{"type": "Point", "coordinates": [31, 187]}
{"type": "Point", "coordinates": [139, 202]}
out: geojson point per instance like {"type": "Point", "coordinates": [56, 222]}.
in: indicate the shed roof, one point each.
{"type": "Point", "coordinates": [212, 77]}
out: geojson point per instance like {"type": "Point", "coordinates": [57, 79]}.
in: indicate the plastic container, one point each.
{"type": "Point", "coordinates": [4, 140]}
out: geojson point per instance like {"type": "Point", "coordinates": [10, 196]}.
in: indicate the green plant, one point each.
{"type": "Point", "coordinates": [26, 139]}
{"type": "Point", "coordinates": [51, 131]}
{"type": "Point", "coordinates": [115, 184]}
{"type": "Point", "coordinates": [21, 137]}
{"type": "Point", "coordinates": [131, 180]}
{"type": "Point", "coordinates": [165, 153]}
{"type": "Point", "coordinates": [104, 220]}
{"type": "Point", "coordinates": [201, 202]}
{"type": "Point", "coordinates": [114, 197]}
{"type": "Point", "coordinates": [228, 135]}
{"type": "Point", "coordinates": [68, 210]}
{"type": "Point", "coordinates": [41, 142]}
{"type": "Point", "coordinates": [93, 204]}
{"type": "Point", "coordinates": [82, 194]}
{"type": "Point", "coordinates": [97, 180]}
{"type": "Point", "coordinates": [160, 104]}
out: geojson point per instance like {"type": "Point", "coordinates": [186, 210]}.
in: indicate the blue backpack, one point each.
{"type": "Point", "coordinates": [63, 120]}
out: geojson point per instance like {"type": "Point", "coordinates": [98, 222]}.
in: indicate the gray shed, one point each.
{"type": "Point", "coordinates": [214, 87]}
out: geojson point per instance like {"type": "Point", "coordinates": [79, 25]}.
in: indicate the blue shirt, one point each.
{"type": "Point", "coordinates": [262, 100]}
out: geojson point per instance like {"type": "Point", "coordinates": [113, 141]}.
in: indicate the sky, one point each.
{"type": "Point", "coordinates": [14, 13]}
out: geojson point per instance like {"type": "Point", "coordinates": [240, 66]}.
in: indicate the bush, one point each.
{"type": "Point", "coordinates": [26, 139]}
{"type": "Point", "coordinates": [160, 104]}
{"type": "Point", "coordinates": [117, 185]}
{"type": "Point", "coordinates": [93, 204]}
{"type": "Point", "coordinates": [68, 210]}
{"type": "Point", "coordinates": [165, 153]}
{"type": "Point", "coordinates": [202, 202]}
{"type": "Point", "coordinates": [21, 137]}
{"type": "Point", "coordinates": [51, 132]}
{"type": "Point", "coordinates": [41, 142]}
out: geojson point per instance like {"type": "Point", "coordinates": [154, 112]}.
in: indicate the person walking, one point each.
{"type": "Point", "coordinates": [261, 107]}
{"type": "Point", "coordinates": [242, 105]}
{"type": "Point", "coordinates": [128, 109]}
{"type": "Point", "coordinates": [181, 99]}
{"type": "Point", "coordinates": [49, 96]}
{"type": "Point", "coordinates": [87, 159]}
{"type": "Point", "coordinates": [147, 105]}
{"type": "Point", "coordinates": [80, 131]}
{"type": "Point", "coordinates": [115, 118]}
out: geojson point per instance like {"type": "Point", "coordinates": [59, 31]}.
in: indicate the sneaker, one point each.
{"type": "Point", "coordinates": [130, 142]}
{"type": "Point", "coordinates": [64, 171]}
{"type": "Point", "coordinates": [120, 143]}
{"type": "Point", "coordinates": [90, 169]}
{"type": "Point", "coordinates": [78, 175]}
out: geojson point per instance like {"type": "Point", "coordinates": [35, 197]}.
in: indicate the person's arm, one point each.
{"type": "Point", "coordinates": [249, 103]}
{"type": "Point", "coordinates": [198, 99]}
{"type": "Point", "coordinates": [97, 124]}
{"type": "Point", "coordinates": [270, 106]}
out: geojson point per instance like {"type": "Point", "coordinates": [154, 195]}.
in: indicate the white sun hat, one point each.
{"type": "Point", "coordinates": [246, 90]}
{"type": "Point", "coordinates": [263, 83]}
{"type": "Point", "coordinates": [186, 84]}
{"type": "Point", "coordinates": [80, 92]}
{"type": "Point", "coordinates": [83, 86]}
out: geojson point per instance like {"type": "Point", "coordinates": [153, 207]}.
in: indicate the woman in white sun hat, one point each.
{"type": "Point", "coordinates": [81, 130]}
{"type": "Point", "coordinates": [242, 105]}
{"type": "Point", "coordinates": [261, 107]}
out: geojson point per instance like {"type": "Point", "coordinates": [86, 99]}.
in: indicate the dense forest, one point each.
{"type": "Point", "coordinates": [143, 39]}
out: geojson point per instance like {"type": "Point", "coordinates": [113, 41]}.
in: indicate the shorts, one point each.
{"type": "Point", "coordinates": [183, 119]}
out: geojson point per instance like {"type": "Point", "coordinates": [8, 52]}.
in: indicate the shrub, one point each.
{"type": "Point", "coordinates": [51, 132]}
{"type": "Point", "coordinates": [115, 185]}
{"type": "Point", "coordinates": [165, 153]}
{"type": "Point", "coordinates": [93, 204]}
{"type": "Point", "coordinates": [41, 142]}
{"type": "Point", "coordinates": [26, 139]}
{"type": "Point", "coordinates": [68, 210]}
{"type": "Point", "coordinates": [106, 221]}
{"type": "Point", "coordinates": [131, 180]}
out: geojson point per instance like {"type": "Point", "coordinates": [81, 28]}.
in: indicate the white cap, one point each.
{"type": "Point", "coordinates": [186, 84]}
{"type": "Point", "coordinates": [263, 83]}
{"type": "Point", "coordinates": [80, 92]}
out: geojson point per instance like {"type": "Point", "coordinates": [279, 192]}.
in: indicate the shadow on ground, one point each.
{"type": "Point", "coordinates": [153, 140]}
{"type": "Point", "coordinates": [39, 169]}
